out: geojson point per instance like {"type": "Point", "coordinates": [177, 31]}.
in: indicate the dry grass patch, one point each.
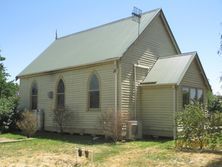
{"type": "Point", "coordinates": [49, 149]}
{"type": "Point", "coordinates": [4, 140]}
{"type": "Point", "coordinates": [41, 159]}
{"type": "Point", "coordinates": [159, 158]}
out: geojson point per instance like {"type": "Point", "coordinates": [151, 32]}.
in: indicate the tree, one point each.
{"type": "Point", "coordinates": [219, 52]}
{"type": "Point", "coordinates": [214, 103]}
{"type": "Point", "coordinates": [8, 99]}
{"type": "Point", "coordinates": [7, 88]}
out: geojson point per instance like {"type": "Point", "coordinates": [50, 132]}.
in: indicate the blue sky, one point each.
{"type": "Point", "coordinates": [28, 27]}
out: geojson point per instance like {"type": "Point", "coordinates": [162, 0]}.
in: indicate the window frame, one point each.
{"type": "Point", "coordinates": [33, 86]}
{"type": "Point", "coordinates": [192, 98]}
{"type": "Point", "coordinates": [189, 91]}
{"type": "Point", "coordinates": [89, 91]}
{"type": "Point", "coordinates": [202, 97]}
{"type": "Point", "coordinates": [59, 94]}
{"type": "Point", "coordinates": [187, 100]}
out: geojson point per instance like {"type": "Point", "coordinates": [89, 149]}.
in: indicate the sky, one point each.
{"type": "Point", "coordinates": [27, 27]}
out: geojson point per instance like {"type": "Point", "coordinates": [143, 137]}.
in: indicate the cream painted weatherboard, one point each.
{"type": "Point", "coordinates": [154, 42]}
{"type": "Point", "coordinates": [160, 103]}
{"type": "Point", "coordinates": [157, 107]}
{"type": "Point", "coordinates": [193, 79]}
{"type": "Point", "coordinates": [81, 120]}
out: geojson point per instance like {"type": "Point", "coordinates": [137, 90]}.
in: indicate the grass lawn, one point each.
{"type": "Point", "coordinates": [50, 149]}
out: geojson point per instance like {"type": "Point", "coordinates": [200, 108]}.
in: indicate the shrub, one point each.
{"type": "Point", "coordinates": [214, 129]}
{"type": "Point", "coordinates": [60, 116]}
{"type": "Point", "coordinates": [9, 114]}
{"type": "Point", "coordinates": [197, 128]}
{"type": "Point", "coordinates": [111, 123]}
{"type": "Point", "coordinates": [28, 123]}
{"type": "Point", "coordinates": [191, 125]}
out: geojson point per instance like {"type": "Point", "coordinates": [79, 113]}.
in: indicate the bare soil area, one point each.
{"type": "Point", "coordinates": [5, 140]}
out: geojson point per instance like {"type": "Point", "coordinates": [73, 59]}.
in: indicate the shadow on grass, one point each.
{"type": "Point", "coordinates": [89, 140]}
{"type": "Point", "coordinates": [218, 152]}
{"type": "Point", "coordinates": [156, 139]}
{"type": "Point", "coordinates": [72, 138]}
{"type": "Point", "coordinates": [215, 163]}
{"type": "Point", "coordinates": [163, 142]}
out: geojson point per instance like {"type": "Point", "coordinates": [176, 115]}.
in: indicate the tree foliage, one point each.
{"type": "Point", "coordinates": [7, 88]}
{"type": "Point", "coordinates": [191, 124]}
{"type": "Point", "coordinates": [214, 103]}
{"type": "Point", "coordinates": [219, 52]}
{"type": "Point", "coordinates": [198, 128]}
{"type": "Point", "coordinates": [8, 100]}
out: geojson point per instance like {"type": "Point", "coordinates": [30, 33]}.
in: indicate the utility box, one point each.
{"type": "Point", "coordinates": [134, 130]}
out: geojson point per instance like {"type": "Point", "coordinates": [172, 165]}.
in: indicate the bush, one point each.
{"type": "Point", "coordinates": [111, 123]}
{"type": "Point", "coordinates": [8, 114]}
{"type": "Point", "coordinates": [28, 123]}
{"type": "Point", "coordinates": [191, 125]}
{"type": "Point", "coordinates": [60, 116]}
{"type": "Point", "coordinates": [197, 128]}
{"type": "Point", "coordinates": [214, 129]}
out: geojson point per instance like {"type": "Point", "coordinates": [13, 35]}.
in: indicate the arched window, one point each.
{"type": "Point", "coordinates": [34, 96]}
{"type": "Point", "coordinates": [60, 94]}
{"type": "Point", "coordinates": [94, 93]}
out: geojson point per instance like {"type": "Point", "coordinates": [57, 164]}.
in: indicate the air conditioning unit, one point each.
{"type": "Point", "coordinates": [134, 130]}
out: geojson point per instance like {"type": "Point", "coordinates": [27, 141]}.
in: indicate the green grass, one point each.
{"type": "Point", "coordinates": [134, 153]}
{"type": "Point", "coordinates": [57, 143]}
{"type": "Point", "coordinates": [12, 136]}
{"type": "Point", "coordinates": [51, 142]}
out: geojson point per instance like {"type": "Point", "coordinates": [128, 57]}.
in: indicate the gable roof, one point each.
{"type": "Point", "coordinates": [171, 70]}
{"type": "Point", "coordinates": [102, 43]}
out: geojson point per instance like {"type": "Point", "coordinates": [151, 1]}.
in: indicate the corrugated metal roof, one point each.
{"type": "Point", "coordinates": [94, 45]}
{"type": "Point", "coordinates": [169, 70]}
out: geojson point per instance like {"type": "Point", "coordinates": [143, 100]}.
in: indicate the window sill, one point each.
{"type": "Point", "coordinates": [94, 109]}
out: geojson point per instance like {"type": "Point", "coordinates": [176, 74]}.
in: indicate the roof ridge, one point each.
{"type": "Point", "coordinates": [103, 25]}
{"type": "Point", "coordinates": [179, 55]}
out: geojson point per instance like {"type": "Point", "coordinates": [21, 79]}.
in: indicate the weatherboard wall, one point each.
{"type": "Point", "coordinates": [157, 107]}
{"type": "Point", "coordinates": [154, 42]}
{"type": "Point", "coordinates": [80, 120]}
{"type": "Point", "coordinates": [193, 79]}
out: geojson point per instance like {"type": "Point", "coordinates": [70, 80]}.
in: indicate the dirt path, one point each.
{"type": "Point", "coordinates": [6, 140]}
